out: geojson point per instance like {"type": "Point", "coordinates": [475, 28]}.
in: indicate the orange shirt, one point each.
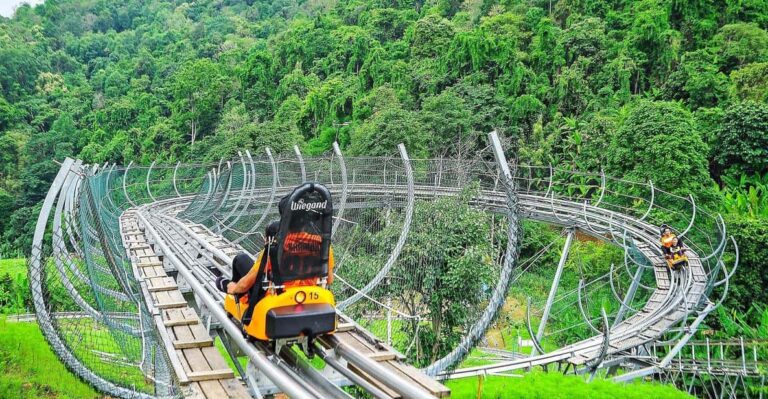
{"type": "Point", "coordinates": [313, 281]}
{"type": "Point", "coordinates": [666, 240]}
{"type": "Point", "coordinates": [299, 283]}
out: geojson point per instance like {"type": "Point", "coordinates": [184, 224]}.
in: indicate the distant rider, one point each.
{"type": "Point", "coordinates": [666, 236]}
{"type": "Point", "coordinates": [675, 250]}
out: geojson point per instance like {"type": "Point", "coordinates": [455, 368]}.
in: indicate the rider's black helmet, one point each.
{"type": "Point", "coordinates": [283, 204]}
{"type": "Point", "coordinates": [664, 227]}
{"type": "Point", "coordinates": [272, 228]}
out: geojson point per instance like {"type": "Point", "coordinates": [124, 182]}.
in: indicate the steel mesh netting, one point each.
{"type": "Point", "coordinates": [702, 231]}
{"type": "Point", "coordinates": [388, 257]}
{"type": "Point", "coordinates": [374, 210]}
{"type": "Point", "coordinates": [86, 296]}
{"type": "Point", "coordinates": [382, 279]}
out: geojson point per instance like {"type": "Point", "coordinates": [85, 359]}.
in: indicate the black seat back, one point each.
{"type": "Point", "coordinates": [304, 238]}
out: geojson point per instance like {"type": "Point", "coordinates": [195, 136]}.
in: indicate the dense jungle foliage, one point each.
{"type": "Point", "coordinates": [670, 90]}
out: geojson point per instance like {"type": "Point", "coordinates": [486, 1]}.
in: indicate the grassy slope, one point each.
{"type": "Point", "coordinates": [29, 369]}
{"type": "Point", "coordinates": [555, 385]}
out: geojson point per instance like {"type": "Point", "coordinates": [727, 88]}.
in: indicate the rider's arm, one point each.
{"type": "Point", "coordinates": [667, 252]}
{"type": "Point", "coordinates": [247, 281]}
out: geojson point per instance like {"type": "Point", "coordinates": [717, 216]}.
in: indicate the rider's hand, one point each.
{"type": "Point", "coordinates": [231, 288]}
{"type": "Point", "coordinates": [222, 284]}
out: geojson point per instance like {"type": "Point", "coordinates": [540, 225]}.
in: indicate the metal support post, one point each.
{"type": "Point", "coordinates": [743, 356]}
{"type": "Point", "coordinates": [553, 289]}
{"type": "Point", "coordinates": [389, 321]}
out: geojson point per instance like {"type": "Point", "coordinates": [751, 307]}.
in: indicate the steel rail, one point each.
{"type": "Point", "coordinates": [277, 376]}
{"type": "Point", "coordinates": [681, 297]}
{"type": "Point", "coordinates": [344, 350]}
{"type": "Point", "coordinates": [653, 229]}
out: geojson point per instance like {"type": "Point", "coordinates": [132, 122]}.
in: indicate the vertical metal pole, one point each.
{"type": "Point", "coordinates": [553, 289]}
{"type": "Point", "coordinates": [344, 188]}
{"type": "Point", "coordinates": [389, 312]}
{"type": "Point", "coordinates": [754, 356]}
{"type": "Point", "coordinates": [389, 320]}
{"type": "Point", "coordinates": [743, 355]}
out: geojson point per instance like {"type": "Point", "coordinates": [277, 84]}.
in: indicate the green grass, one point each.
{"type": "Point", "coordinates": [242, 359]}
{"type": "Point", "coordinates": [29, 369]}
{"type": "Point", "coordinates": [555, 386]}
{"type": "Point", "coordinates": [14, 267]}
{"type": "Point", "coordinates": [94, 344]}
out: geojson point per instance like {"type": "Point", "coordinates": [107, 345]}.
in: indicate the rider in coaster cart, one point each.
{"type": "Point", "coordinates": [283, 295]}
{"type": "Point", "coordinates": [675, 254]}
{"type": "Point", "coordinates": [666, 236]}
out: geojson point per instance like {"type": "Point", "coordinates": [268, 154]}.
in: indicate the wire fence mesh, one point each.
{"type": "Point", "coordinates": [426, 250]}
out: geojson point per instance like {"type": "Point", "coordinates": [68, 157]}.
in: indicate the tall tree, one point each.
{"type": "Point", "coordinates": [200, 89]}
{"type": "Point", "coordinates": [742, 140]}
{"type": "Point", "coordinates": [659, 141]}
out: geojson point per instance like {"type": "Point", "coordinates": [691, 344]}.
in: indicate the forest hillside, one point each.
{"type": "Point", "coordinates": [675, 91]}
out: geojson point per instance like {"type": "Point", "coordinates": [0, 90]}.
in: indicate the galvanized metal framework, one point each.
{"type": "Point", "coordinates": [378, 197]}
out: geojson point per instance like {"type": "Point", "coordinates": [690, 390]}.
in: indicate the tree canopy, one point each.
{"type": "Point", "coordinates": [673, 91]}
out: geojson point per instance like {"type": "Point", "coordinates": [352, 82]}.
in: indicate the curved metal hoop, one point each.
{"type": "Point", "coordinates": [650, 204]}
{"type": "Point", "coordinates": [581, 307]}
{"type": "Point", "coordinates": [693, 217]}
{"type": "Point", "coordinates": [149, 191]}
{"type": "Point", "coordinates": [534, 340]}
{"type": "Point", "coordinates": [616, 294]}
{"type": "Point", "coordinates": [125, 190]}
{"type": "Point", "coordinates": [344, 188]}
{"type": "Point", "coordinates": [592, 365]}
{"type": "Point", "coordinates": [395, 254]}
{"type": "Point", "coordinates": [301, 163]}
{"type": "Point", "coordinates": [271, 200]}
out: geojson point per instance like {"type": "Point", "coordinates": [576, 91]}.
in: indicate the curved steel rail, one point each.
{"type": "Point", "coordinates": [670, 303]}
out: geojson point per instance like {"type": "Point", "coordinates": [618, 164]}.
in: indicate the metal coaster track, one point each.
{"type": "Point", "coordinates": [186, 222]}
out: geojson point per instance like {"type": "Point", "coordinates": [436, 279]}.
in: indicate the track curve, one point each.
{"type": "Point", "coordinates": [230, 195]}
